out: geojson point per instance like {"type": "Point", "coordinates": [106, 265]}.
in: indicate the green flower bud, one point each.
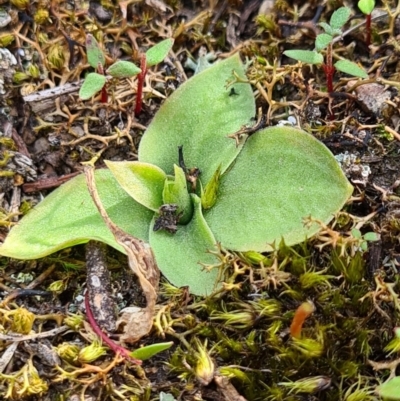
{"type": "Point", "coordinates": [209, 195]}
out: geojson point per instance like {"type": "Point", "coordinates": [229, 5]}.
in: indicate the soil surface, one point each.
{"type": "Point", "coordinates": [236, 345]}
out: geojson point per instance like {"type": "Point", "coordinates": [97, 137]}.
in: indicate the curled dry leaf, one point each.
{"type": "Point", "coordinates": [141, 261]}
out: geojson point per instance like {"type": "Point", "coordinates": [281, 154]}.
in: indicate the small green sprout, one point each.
{"type": "Point", "coordinates": [363, 239]}
{"type": "Point", "coordinates": [325, 41]}
{"type": "Point", "coordinates": [366, 7]}
{"type": "Point", "coordinates": [96, 81]}
{"type": "Point", "coordinates": [149, 351]}
{"type": "Point", "coordinates": [153, 56]}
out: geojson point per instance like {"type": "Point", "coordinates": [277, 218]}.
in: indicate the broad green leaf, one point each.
{"type": "Point", "coordinates": [179, 256]}
{"type": "Point", "coordinates": [91, 85]}
{"type": "Point", "coordinates": [390, 390]}
{"type": "Point", "coordinates": [322, 41]}
{"type": "Point", "coordinates": [68, 217]}
{"type": "Point", "coordinates": [95, 55]}
{"type": "Point", "coordinates": [340, 17]}
{"type": "Point", "coordinates": [149, 351]}
{"type": "Point", "coordinates": [158, 52]}
{"type": "Point", "coordinates": [366, 6]}
{"type": "Point", "coordinates": [123, 69]}
{"type": "Point", "coordinates": [176, 192]}
{"type": "Point", "coordinates": [305, 56]}
{"type": "Point", "coordinates": [282, 176]}
{"type": "Point", "coordinates": [199, 115]}
{"type": "Point", "coordinates": [348, 67]}
{"type": "Point", "coordinates": [142, 181]}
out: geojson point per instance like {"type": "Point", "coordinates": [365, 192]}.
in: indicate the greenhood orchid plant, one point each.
{"type": "Point", "coordinates": [194, 186]}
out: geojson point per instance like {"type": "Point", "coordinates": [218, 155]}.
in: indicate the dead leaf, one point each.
{"type": "Point", "coordinates": [142, 262]}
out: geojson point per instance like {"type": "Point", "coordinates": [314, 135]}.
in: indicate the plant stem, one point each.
{"type": "Point", "coordinates": [329, 69]}
{"type": "Point", "coordinates": [368, 29]}
{"type": "Point", "coordinates": [141, 77]}
{"type": "Point", "coordinates": [113, 346]}
{"type": "Point", "coordinates": [104, 94]}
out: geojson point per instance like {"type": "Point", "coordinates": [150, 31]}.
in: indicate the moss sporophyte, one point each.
{"type": "Point", "coordinates": [245, 193]}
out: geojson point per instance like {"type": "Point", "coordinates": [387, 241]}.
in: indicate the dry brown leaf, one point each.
{"type": "Point", "coordinates": [142, 262]}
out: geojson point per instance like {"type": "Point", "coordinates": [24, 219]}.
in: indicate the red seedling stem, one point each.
{"type": "Point", "coordinates": [329, 69]}
{"type": "Point", "coordinates": [141, 77]}
{"type": "Point", "coordinates": [104, 338]}
{"type": "Point", "coordinates": [104, 94]}
{"type": "Point", "coordinates": [329, 73]}
{"type": "Point", "coordinates": [368, 28]}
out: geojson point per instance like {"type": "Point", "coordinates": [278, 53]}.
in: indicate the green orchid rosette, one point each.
{"type": "Point", "coordinates": [194, 186]}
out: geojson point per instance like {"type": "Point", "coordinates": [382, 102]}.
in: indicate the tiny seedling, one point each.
{"type": "Point", "coordinates": [96, 81]}
{"type": "Point", "coordinates": [153, 56]}
{"type": "Point", "coordinates": [194, 186]}
{"type": "Point", "coordinates": [362, 240]}
{"type": "Point", "coordinates": [366, 7]}
{"type": "Point", "coordinates": [325, 41]}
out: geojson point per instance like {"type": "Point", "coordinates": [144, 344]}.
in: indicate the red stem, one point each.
{"type": "Point", "coordinates": [104, 338]}
{"type": "Point", "coordinates": [104, 94]}
{"type": "Point", "coordinates": [141, 77]}
{"type": "Point", "coordinates": [368, 28]}
{"type": "Point", "coordinates": [329, 69]}
{"type": "Point", "coordinates": [329, 73]}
